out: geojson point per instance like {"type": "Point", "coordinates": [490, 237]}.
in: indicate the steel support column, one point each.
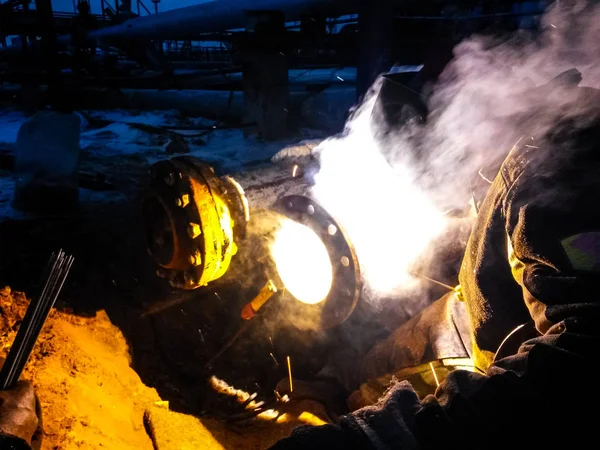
{"type": "Point", "coordinates": [49, 45]}
{"type": "Point", "coordinates": [374, 42]}
{"type": "Point", "coordinates": [265, 74]}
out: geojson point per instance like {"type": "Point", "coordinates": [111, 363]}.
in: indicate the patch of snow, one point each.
{"type": "Point", "coordinates": [118, 145]}
{"type": "Point", "coordinates": [7, 188]}
{"type": "Point", "coordinates": [89, 196]}
{"type": "Point", "coordinates": [114, 139]}
{"type": "Point", "coordinates": [227, 149]}
{"type": "Point", "coordinates": [300, 150]}
{"type": "Point", "coordinates": [231, 150]}
{"type": "Point", "coordinates": [11, 123]}
{"type": "Point", "coordinates": [164, 118]}
{"type": "Point", "coordinates": [86, 197]}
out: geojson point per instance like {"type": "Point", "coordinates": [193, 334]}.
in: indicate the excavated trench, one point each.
{"type": "Point", "coordinates": [121, 363]}
{"type": "Point", "coordinates": [122, 340]}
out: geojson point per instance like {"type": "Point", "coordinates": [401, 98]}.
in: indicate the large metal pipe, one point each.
{"type": "Point", "coordinates": [215, 16]}
{"type": "Point", "coordinates": [199, 224]}
{"type": "Point", "coordinates": [195, 220]}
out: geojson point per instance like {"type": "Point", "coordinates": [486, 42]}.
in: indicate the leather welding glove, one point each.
{"type": "Point", "coordinates": [18, 417]}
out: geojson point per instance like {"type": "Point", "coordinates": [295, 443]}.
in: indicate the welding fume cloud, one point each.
{"type": "Point", "coordinates": [496, 89]}
{"type": "Point", "coordinates": [490, 93]}
{"type": "Point", "coordinates": [388, 219]}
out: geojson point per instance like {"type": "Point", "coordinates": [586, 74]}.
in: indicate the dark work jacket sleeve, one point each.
{"type": "Point", "coordinates": [537, 398]}
{"type": "Point", "coordinates": [533, 251]}
{"type": "Point", "coordinates": [544, 396]}
{"type": "Point", "coordinates": [552, 212]}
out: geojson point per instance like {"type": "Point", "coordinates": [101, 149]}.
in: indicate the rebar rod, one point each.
{"type": "Point", "coordinates": [55, 275]}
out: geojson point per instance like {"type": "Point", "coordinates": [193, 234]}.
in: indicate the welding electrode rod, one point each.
{"type": "Point", "coordinates": [289, 364]}
{"type": "Point", "coordinates": [437, 382]}
{"type": "Point", "coordinates": [473, 198]}
{"type": "Point", "coordinates": [38, 312]}
{"type": "Point", "coordinates": [56, 273]}
{"type": "Point", "coordinates": [180, 298]}
{"type": "Point", "coordinates": [439, 283]}
{"type": "Point", "coordinates": [228, 344]}
{"type": "Point", "coordinates": [18, 349]}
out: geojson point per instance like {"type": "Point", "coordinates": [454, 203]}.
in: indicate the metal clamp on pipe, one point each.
{"type": "Point", "coordinates": [193, 220]}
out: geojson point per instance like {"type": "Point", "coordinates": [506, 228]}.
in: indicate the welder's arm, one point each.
{"type": "Point", "coordinates": [454, 418]}
{"type": "Point", "coordinates": [373, 427]}
{"type": "Point", "coordinates": [553, 239]}
{"type": "Point", "coordinates": [528, 400]}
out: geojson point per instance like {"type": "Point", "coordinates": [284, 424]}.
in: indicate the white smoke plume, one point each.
{"type": "Point", "coordinates": [386, 216]}
{"type": "Point", "coordinates": [490, 94]}
{"type": "Point", "coordinates": [494, 91]}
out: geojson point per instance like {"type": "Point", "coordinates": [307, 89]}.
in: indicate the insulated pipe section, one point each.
{"type": "Point", "coordinates": [215, 16]}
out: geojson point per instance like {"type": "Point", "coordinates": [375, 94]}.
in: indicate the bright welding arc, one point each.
{"type": "Point", "coordinates": [302, 262]}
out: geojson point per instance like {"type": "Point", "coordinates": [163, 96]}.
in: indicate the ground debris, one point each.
{"type": "Point", "coordinates": [92, 398]}
{"type": "Point", "coordinates": [89, 394]}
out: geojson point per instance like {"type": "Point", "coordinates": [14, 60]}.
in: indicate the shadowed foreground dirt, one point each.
{"type": "Point", "coordinates": [92, 398]}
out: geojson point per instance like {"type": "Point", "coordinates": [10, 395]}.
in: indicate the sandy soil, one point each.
{"type": "Point", "coordinates": [92, 398]}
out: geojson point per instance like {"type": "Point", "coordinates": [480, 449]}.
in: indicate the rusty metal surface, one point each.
{"type": "Point", "coordinates": [263, 186]}
{"type": "Point", "coordinates": [189, 225]}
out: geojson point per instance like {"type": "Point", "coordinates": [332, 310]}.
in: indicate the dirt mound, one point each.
{"type": "Point", "coordinates": [92, 398]}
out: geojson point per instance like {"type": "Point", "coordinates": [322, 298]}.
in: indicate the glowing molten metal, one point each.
{"type": "Point", "coordinates": [302, 262]}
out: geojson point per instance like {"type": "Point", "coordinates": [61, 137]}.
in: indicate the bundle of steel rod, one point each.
{"type": "Point", "coordinates": [35, 317]}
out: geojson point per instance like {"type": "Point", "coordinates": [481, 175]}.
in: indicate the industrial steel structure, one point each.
{"type": "Point", "coordinates": [121, 44]}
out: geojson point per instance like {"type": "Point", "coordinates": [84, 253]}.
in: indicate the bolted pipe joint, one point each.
{"type": "Point", "coordinates": [192, 221]}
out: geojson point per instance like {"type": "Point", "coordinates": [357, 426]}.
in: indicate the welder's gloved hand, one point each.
{"type": "Point", "coordinates": [328, 392]}
{"type": "Point", "coordinates": [387, 425]}
{"type": "Point", "coordinates": [18, 417]}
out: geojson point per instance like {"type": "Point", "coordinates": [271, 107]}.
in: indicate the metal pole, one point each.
{"type": "Point", "coordinates": [374, 42]}
{"type": "Point", "coordinates": [50, 53]}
